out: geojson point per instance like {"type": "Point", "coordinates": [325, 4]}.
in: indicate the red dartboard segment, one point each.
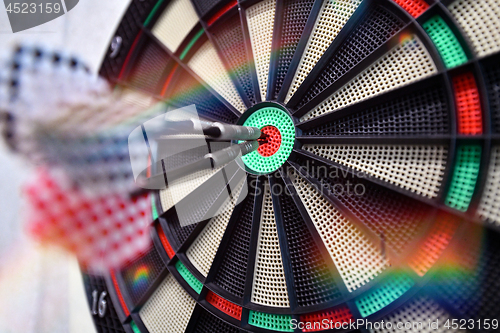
{"type": "Point", "coordinates": [119, 293]}
{"type": "Point", "coordinates": [338, 315]}
{"type": "Point", "coordinates": [469, 113]}
{"type": "Point", "coordinates": [224, 10]}
{"type": "Point", "coordinates": [164, 241]}
{"type": "Point", "coordinates": [129, 55]}
{"type": "Point", "coordinates": [273, 141]}
{"type": "Point", "coordinates": [438, 239]}
{"type": "Point", "coordinates": [225, 306]}
{"type": "Point", "coordinates": [169, 80]}
{"type": "Point", "coordinates": [414, 7]}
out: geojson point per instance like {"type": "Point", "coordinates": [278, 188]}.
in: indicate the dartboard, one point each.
{"type": "Point", "coordinates": [376, 197]}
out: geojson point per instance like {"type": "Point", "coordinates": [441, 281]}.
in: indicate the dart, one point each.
{"type": "Point", "coordinates": [210, 161]}
{"type": "Point", "coordinates": [85, 142]}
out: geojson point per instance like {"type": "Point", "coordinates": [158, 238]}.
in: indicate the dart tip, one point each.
{"type": "Point", "coordinates": [264, 138]}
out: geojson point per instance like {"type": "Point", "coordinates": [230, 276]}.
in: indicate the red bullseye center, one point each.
{"type": "Point", "coordinates": [273, 141]}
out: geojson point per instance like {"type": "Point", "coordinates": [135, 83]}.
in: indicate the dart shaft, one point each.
{"type": "Point", "coordinates": [209, 161]}
{"type": "Point", "coordinates": [227, 155]}
{"type": "Point", "coordinates": [220, 131]}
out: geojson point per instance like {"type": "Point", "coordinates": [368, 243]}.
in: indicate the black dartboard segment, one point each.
{"type": "Point", "coordinates": [228, 35]}
{"type": "Point", "coordinates": [206, 6]}
{"type": "Point", "coordinates": [233, 268]}
{"type": "Point", "coordinates": [295, 16]}
{"type": "Point", "coordinates": [179, 234]}
{"type": "Point", "coordinates": [424, 112]}
{"type": "Point", "coordinates": [205, 322]}
{"type": "Point", "coordinates": [374, 29]}
{"type": "Point", "coordinates": [492, 80]}
{"type": "Point", "coordinates": [151, 68]}
{"type": "Point", "coordinates": [396, 112]}
{"type": "Point", "coordinates": [472, 292]}
{"type": "Point", "coordinates": [125, 36]}
{"type": "Point", "coordinates": [141, 274]}
{"type": "Point", "coordinates": [186, 91]}
{"type": "Point", "coordinates": [313, 280]}
{"type": "Point", "coordinates": [394, 218]}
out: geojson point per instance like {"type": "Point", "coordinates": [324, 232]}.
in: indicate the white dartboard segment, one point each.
{"type": "Point", "coordinates": [204, 248]}
{"type": "Point", "coordinates": [175, 23]}
{"type": "Point", "coordinates": [332, 18]}
{"type": "Point", "coordinates": [489, 208]}
{"type": "Point", "coordinates": [210, 68]}
{"type": "Point", "coordinates": [168, 309]}
{"type": "Point", "coordinates": [268, 263]}
{"type": "Point", "coordinates": [260, 19]}
{"type": "Point", "coordinates": [417, 168]}
{"type": "Point", "coordinates": [356, 258]}
{"type": "Point", "coordinates": [480, 20]}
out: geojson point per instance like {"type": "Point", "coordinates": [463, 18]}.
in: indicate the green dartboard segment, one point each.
{"type": "Point", "coordinates": [190, 278]}
{"type": "Point", "coordinates": [446, 42]}
{"type": "Point", "coordinates": [465, 176]}
{"type": "Point", "coordinates": [273, 322]}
